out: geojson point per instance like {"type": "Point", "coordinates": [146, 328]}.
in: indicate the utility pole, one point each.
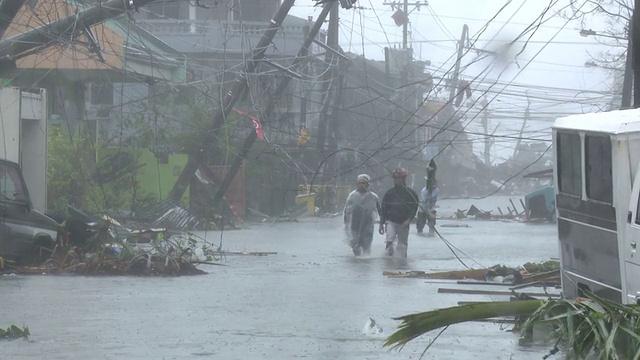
{"type": "Point", "coordinates": [402, 16]}
{"type": "Point", "coordinates": [327, 79]}
{"type": "Point", "coordinates": [405, 20]}
{"type": "Point", "coordinates": [405, 26]}
{"type": "Point", "coordinates": [627, 84]}
{"type": "Point", "coordinates": [635, 45]}
{"type": "Point", "coordinates": [456, 70]}
{"type": "Point", "coordinates": [238, 88]}
{"type": "Point", "coordinates": [527, 117]}
{"type": "Point", "coordinates": [271, 104]}
{"type": "Point", "coordinates": [485, 127]}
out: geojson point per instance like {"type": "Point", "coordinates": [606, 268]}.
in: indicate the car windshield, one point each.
{"type": "Point", "coordinates": [11, 187]}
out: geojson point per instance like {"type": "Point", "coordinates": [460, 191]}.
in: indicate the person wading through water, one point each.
{"type": "Point", "coordinates": [427, 211]}
{"type": "Point", "coordinates": [399, 207]}
{"type": "Point", "coordinates": [359, 215]}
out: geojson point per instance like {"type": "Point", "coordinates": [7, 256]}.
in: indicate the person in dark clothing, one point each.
{"type": "Point", "coordinates": [399, 206]}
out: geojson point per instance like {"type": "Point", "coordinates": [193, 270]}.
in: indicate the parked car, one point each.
{"type": "Point", "coordinates": [26, 235]}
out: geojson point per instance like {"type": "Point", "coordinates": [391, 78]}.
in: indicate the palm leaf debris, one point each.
{"type": "Point", "coordinates": [586, 327]}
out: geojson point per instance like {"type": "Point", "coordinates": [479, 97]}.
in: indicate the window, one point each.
{"type": "Point", "coordinates": [102, 94]}
{"type": "Point", "coordinates": [11, 184]}
{"type": "Point", "coordinates": [569, 164]}
{"type": "Point", "coordinates": [599, 178]}
{"type": "Point", "coordinates": [169, 10]}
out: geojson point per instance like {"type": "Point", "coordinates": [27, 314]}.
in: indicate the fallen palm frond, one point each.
{"type": "Point", "coordinates": [415, 325]}
{"type": "Point", "coordinates": [591, 325]}
{"type": "Point", "coordinates": [14, 332]}
{"type": "Point", "coordinates": [587, 326]}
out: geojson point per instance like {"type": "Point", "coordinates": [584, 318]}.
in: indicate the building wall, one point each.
{"type": "Point", "coordinates": [23, 138]}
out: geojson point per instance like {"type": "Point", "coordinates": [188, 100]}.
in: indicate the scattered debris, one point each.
{"type": "Point", "coordinates": [251, 253]}
{"type": "Point", "coordinates": [371, 327]}
{"type": "Point", "coordinates": [477, 274]}
{"type": "Point", "coordinates": [477, 213]}
{"type": "Point", "coordinates": [545, 273]}
{"type": "Point", "coordinates": [493, 292]}
{"type": "Point", "coordinates": [103, 246]}
{"type": "Point", "coordinates": [177, 218]}
{"type": "Point", "coordinates": [14, 332]}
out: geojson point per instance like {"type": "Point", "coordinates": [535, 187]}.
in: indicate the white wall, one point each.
{"type": "Point", "coordinates": [23, 138]}
{"type": "Point", "coordinates": [9, 124]}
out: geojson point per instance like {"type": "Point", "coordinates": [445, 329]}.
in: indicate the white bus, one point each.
{"type": "Point", "coordinates": [597, 189]}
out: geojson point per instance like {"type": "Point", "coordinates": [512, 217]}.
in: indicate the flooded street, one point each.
{"type": "Point", "coordinates": [308, 301]}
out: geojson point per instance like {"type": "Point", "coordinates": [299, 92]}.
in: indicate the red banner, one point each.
{"type": "Point", "coordinates": [256, 123]}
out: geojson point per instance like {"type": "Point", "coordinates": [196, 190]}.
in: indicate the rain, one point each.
{"type": "Point", "coordinates": [250, 179]}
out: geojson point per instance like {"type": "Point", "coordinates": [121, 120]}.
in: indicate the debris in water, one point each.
{"type": "Point", "coordinates": [371, 327]}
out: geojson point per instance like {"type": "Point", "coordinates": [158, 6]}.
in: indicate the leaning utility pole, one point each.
{"type": "Point", "coordinates": [238, 88]}
{"type": "Point", "coordinates": [527, 117]}
{"type": "Point", "coordinates": [485, 127]}
{"type": "Point", "coordinates": [627, 84]}
{"type": "Point", "coordinates": [271, 103]}
{"type": "Point", "coordinates": [635, 44]}
{"type": "Point", "coordinates": [328, 78]}
{"type": "Point", "coordinates": [19, 46]}
{"type": "Point", "coordinates": [456, 70]}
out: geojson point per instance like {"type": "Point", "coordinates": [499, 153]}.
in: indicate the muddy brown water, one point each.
{"type": "Point", "coordinates": [308, 301]}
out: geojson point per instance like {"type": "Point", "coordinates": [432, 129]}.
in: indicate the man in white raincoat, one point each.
{"type": "Point", "coordinates": [360, 212]}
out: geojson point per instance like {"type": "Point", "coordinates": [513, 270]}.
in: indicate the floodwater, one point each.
{"type": "Point", "coordinates": [308, 301]}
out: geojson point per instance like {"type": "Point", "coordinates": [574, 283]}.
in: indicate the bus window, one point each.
{"type": "Point", "coordinates": [599, 178]}
{"type": "Point", "coordinates": [569, 164]}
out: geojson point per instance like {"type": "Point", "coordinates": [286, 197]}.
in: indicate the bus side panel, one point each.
{"type": "Point", "coordinates": [590, 260]}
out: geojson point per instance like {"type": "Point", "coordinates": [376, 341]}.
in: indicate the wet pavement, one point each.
{"type": "Point", "coordinates": [308, 301]}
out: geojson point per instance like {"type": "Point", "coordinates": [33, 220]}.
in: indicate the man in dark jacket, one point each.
{"type": "Point", "coordinates": [399, 206]}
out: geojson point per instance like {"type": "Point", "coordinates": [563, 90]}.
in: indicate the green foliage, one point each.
{"type": "Point", "coordinates": [70, 165]}
{"type": "Point", "coordinates": [541, 267]}
{"type": "Point", "coordinates": [14, 332]}
{"type": "Point", "coordinates": [198, 122]}
{"type": "Point", "coordinates": [68, 181]}
{"type": "Point", "coordinates": [415, 325]}
{"type": "Point", "coordinates": [591, 327]}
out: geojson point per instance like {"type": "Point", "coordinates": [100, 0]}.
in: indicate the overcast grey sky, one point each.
{"type": "Point", "coordinates": [554, 56]}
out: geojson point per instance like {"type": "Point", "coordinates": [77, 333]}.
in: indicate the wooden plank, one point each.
{"type": "Point", "coordinates": [536, 283]}
{"type": "Point", "coordinates": [545, 276]}
{"type": "Point", "coordinates": [455, 225]}
{"type": "Point", "coordinates": [250, 253]}
{"type": "Point", "coordinates": [515, 209]}
{"type": "Point", "coordinates": [490, 292]}
{"type": "Point", "coordinates": [468, 282]}
{"type": "Point", "coordinates": [477, 274]}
